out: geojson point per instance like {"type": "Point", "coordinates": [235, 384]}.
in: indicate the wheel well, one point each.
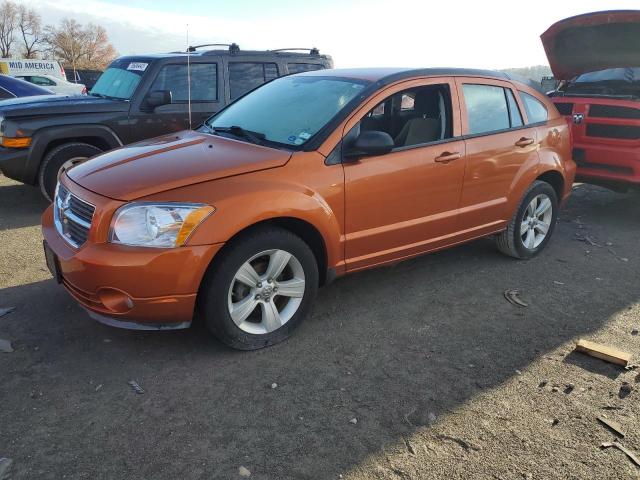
{"type": "Point", "coordinates": [305, 231]}
{"type": "Point", "coordinates": [554, 179]}
{"type": "Point", "coordinates": [97, 142]}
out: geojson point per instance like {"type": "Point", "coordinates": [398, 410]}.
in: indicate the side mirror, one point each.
{"type": "Point", "coordinates": [157, 98]}
{"type": "Point", "coordinates": [370, 143]}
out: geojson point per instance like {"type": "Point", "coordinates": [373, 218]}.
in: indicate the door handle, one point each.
{"type": "Point", "coordinates": [524, 142]}
{"type": "Point", "coordinates": [447, 157]}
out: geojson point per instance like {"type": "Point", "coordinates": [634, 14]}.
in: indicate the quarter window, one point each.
{"type": "Point", "coordinates": [486, 108]}
{"type": "Point", "coordinates": [303, 67]}
{"type": "Point", "coordinates": [204, 82]}
{"type": "Point", "coordinates": [536, 111]}
{"type": "Point", "coordinates": [245, 76]}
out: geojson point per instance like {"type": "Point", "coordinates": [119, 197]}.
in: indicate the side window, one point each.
{"type": "Point", "coordinates": [413, 117]}
{"type": "Point", "coordinates": [303, 67]}
{"type": "Point", "coordinates": [245, 76]}
{"type": "Point", "coordinates": [486, 108]}
{"type": "Point", "coordinates": [536, 111]}
{"type": "Point", "coordinates": [42, 81]}
{"type": "Point", "coordinates": [204, 82]}
{"type": "Point", "coordinates": [514, 112]}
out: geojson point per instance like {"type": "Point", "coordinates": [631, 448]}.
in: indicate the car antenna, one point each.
{"type": "Point", "coordinates": [188, 77]}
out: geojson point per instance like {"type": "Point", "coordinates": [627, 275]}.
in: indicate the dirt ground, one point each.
{"type": "Point", "coordinates": [444, 377]}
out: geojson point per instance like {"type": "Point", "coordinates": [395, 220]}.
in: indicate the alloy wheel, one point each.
{"type": "Point", "coordinates": [536, 221]}
{"type": "Point", "coordinates": [266, 291]}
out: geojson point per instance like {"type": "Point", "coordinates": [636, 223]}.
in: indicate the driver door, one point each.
{"type": "Point", "coordinates": [405, 202]}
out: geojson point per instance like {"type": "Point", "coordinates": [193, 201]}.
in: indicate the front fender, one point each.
{"type": "Point", "coordinates": [43, 138]}
{"type": "Point", "coordinates": [246, 200]}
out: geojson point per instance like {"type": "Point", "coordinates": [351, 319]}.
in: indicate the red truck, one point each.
{"type": "Point", "coordinates": [596, 59]}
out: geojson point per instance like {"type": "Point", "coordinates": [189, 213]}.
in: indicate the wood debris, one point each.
{"type": "Point", "coordinates": [603, 352]}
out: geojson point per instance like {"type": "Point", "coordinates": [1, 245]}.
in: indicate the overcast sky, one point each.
{"type": "Point", "coordinates": [411, 33]}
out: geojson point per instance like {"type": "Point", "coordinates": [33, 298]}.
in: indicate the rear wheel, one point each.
{"type": "Point", "coordinates": [260, 290]}
{"type": "Point", "coordinates": [533, 223]}
{"type": "Point", "coordinates": [59, 160]}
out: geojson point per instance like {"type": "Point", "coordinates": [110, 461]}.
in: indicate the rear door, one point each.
{"type": "Point", "coordinates": [245, 74]}
{"type": "Point", "coordinates": [499, 147]}
{"type": "Point", "coordinates": [205, 99]}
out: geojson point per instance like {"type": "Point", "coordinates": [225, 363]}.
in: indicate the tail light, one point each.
{"type": "Point", "coordinates": [84, 90]}
{"type": "Point", "coordinates": [64, 75]}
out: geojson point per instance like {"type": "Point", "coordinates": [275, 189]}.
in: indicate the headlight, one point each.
{"type": "Point", "coordinates": [157, 225]}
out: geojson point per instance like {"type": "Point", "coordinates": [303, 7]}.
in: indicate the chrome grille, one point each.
{"type": "Point", "coordinates": [72, 217]}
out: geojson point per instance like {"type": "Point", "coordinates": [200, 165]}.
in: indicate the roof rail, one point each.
{"type": "Point", "coordinates": [233, 47]}
{"type": "Point", "coordinates": [312, 51]}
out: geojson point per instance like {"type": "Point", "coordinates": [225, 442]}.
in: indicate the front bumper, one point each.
{"type": "Point", "coordinates": [13, 163]}
{"type": "Point", "coordinates": [131, 287]}
{"type": "Point", "coordinates": [609, 163]}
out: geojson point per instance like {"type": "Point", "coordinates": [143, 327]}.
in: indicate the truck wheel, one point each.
{"type": "Point", "coordinates": [532, 225]}
{"type": "Point", "coordinates": [260, 289]}
{"type": "Point", "coordinates": [60, 159]}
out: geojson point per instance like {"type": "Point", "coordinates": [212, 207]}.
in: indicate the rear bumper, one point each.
{"type": "Point", "coordinates": [13, 163]}
{"type": "Point", "coordinates": [128, 287]}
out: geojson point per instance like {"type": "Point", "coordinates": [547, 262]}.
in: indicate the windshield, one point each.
{"type": "Point", "coordinates": [289, 110]}
{"type": "Point", "coordinates": [626, 75]}
{"type": "Point", "coordinates": [119, 80]}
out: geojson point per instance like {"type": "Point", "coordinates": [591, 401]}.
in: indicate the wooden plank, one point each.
{"type": "Point", "coordinates": [603, 352]}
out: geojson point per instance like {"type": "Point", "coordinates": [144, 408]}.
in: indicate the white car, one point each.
{"type": "Point", "coordinates": [55, 84]}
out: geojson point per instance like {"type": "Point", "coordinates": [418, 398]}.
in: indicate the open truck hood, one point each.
{"type": "Point", "coordinates": [171, 161]}
{"type": "Point", "coordinates": [592, 42]}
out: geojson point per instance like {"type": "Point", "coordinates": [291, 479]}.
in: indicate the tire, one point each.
{"type": "Point", "coordinates": [221, 291]}
{"type": "Point", "coordinates": [516, 241]}
{"type": "Point", "coordinates": [53, 162]}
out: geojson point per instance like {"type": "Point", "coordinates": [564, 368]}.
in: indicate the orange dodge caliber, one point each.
{"type": "Point", "coordinates": [304, 179]}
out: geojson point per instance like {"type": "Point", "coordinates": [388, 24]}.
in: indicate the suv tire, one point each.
{"type": "Point", "coordinates": [58, 160]}
{"type": "Point", "coordinates": [270, 316]}
{"type": "Point", "coordinates": [532, 225]}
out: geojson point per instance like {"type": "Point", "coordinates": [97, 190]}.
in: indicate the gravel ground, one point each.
{"type": "Point", "coordinates": [444, 377]}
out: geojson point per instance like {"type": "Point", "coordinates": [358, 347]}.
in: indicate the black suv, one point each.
{"type": "Point", "coordinates": [136, 98]}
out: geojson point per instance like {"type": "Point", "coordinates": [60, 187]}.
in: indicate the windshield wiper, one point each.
{"type": "Point", "coordinates": [253, 137]}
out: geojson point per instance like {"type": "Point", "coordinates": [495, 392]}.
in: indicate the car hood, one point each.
{"type": "Point", "coordinates": [172, 161]}
{"type": "Point", "coordinates": [592, 42]}
{"type": "Point", "coordinates": [60, 104]}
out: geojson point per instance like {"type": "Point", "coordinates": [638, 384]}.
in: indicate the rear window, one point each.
{"type": "Point", "coordinates": [245, 76]}
{"type": "Point", "coordinates": [486, 108]}
{"type": "Point", "coordinates": [303, 67]}
{"type": "Point", "coordinates": [536, 111]}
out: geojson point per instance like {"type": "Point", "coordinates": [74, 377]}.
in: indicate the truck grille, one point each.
{"type": "Point", "coordinates": [623, 132]}
{"type": "Point", "coordinates": [72, 217]}
{"type": "Point", "coordinates": [565, 108]}
{"type": "Point", "coordinates": [614, 111]}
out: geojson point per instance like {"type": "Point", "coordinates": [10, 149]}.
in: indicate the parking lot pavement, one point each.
{"type": "Point", "coordinates": [444, 377]}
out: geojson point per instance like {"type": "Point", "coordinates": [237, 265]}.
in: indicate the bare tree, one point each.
{"type": "Point", "coordinates": [78, 46]}
{"type": "Point", "coordinates": [8, 24]}
{"type": "Point", "coordinates": [99, 52]}
{"type": "Point", "coordinates": [30, 26]}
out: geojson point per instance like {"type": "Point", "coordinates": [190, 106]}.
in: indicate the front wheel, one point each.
{"type": "Point", "coordinates": [532, 225]}
{"type": "Point", "coordinates": [59, 160]}
{"type": "Point", "coordinates": [260, 290]}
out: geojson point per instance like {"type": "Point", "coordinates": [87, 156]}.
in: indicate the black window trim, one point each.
{"type": "Point", "coordinates": [191, 64]}
{"type": "Point", "coordinates": [506, 97]}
